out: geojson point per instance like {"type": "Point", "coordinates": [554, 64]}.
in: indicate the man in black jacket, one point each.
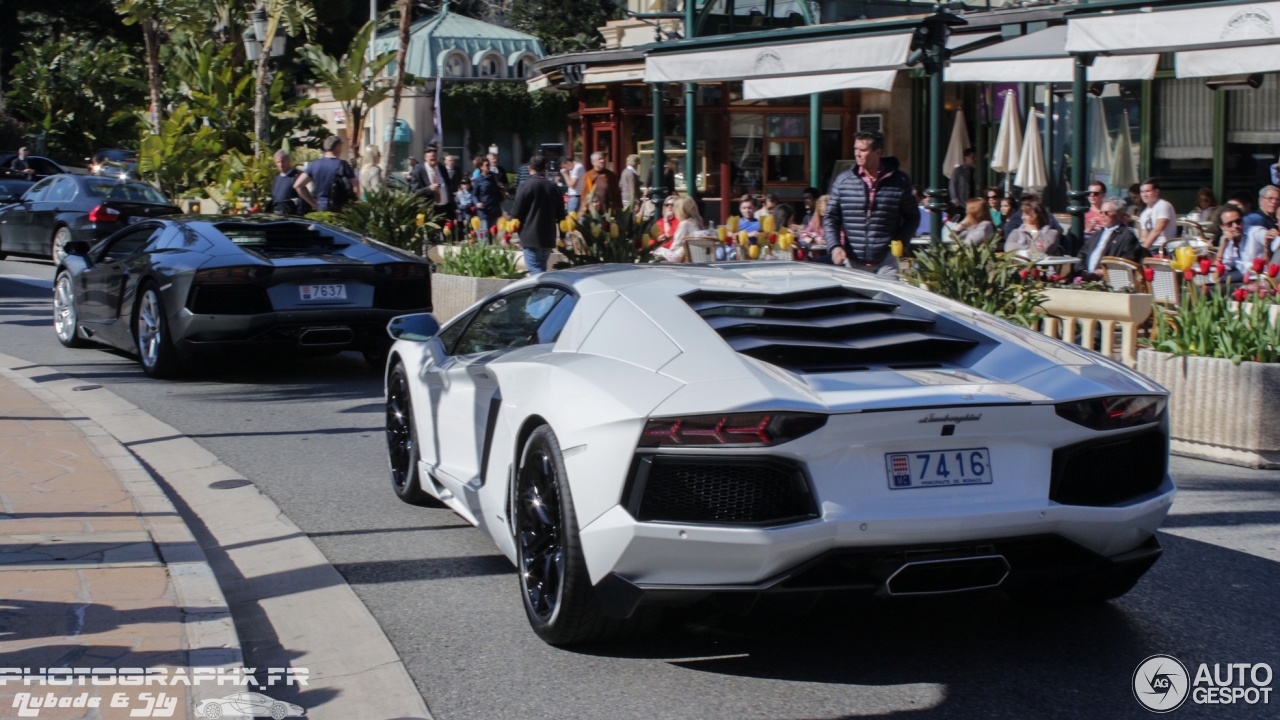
{"type": "Point", "coordinates": [539, 207]}
{"type": "Point", "coordinates": [1114, 239]}
{"type": "Point", "coordinates": [872, 204]}
{"type": "Point", "coordinates": [430, 179]}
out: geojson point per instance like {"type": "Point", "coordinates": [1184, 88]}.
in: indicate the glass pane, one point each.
{"type": "Point", "coordinates": [508, 322]}
{"type": "Point", "coordinates": [786, 161]}
{"type": "Point", "coordinates": [635, 96]}
{"type": "Point", "coordinates": [710, 94]}
{"type": "Point", "coordinates": [788, 126]}
{"type": "Point", "coordinates": [745, 140]}
{"type": "Point", "coordinates": [597, 96]}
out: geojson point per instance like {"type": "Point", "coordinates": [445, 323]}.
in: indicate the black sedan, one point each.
{"type": "Point", "coordinates": [63, 208]}
{"type": "Point", "coordinates": [11, 191]}
{"type": "Point", "coordinates": [43, 166]}
{"type": "Point", "coordinates": [174, 288]}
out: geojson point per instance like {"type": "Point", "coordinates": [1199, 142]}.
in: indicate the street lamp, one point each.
{"type": "Point", "coordinates": [929, 50]}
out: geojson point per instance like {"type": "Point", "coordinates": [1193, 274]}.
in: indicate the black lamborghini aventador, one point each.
{"type": "Point", "coordinates": [172, 288]}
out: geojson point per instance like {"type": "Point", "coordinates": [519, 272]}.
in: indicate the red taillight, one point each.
{"type": "Point", "coordinates": [238, 274]}
{"type": "Point", "coordinates": [1113, 413]}
{"type": "Point", "coordinates": [738, 429]}
{"type": "Point", "coordinates": [404, 271]}
{"type": "Point", "coordinates": [102, 213]}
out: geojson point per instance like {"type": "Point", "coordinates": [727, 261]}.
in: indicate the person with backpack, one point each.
{"type": "Point", "coordinates": [335, 182]}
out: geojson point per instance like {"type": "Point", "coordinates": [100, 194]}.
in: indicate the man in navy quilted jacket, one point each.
{"type": "Point", "coordinates": [871, 205]}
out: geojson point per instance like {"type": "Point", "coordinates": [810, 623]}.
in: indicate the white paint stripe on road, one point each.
{"type": "Point", "coordinates": [303, 600]}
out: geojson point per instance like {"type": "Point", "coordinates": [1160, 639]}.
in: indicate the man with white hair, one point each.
{"type": "Point", "coordinates": [1113, 239]}
{"type": "Point", "coordinates": [601, 175]}
{"type": "Point", "coordinates": [284, 198]}
{"type": "Point", "coordinates": [22, 165]}
{"type": "Point", "coordinates": [629, 182]}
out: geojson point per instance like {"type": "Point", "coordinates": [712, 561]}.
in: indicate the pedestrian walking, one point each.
{"type": "Point", "coordinates": [962, 180]}
{"type": "Point", "coordinates": [873, 205]}
{"type": "Point", "coordinates": [539, 207]}
{"type": "Point", "coordinates": [370, 171]}
{"type": "Point", "coordinates": [335, 182]}
{"type": "Point", "coordinates": [629, 181]}
{"type": "Point", "coordinates": [429, 180]}
{"type": "Point", "coordinates": [574, 175]}
{"type": "Point", "coordinates": [284, 198]}
{"type": "Point", "coordinates": [498, 172]}
{"type": "Point", "coordinates": [488, 195]}
{"type": "Point", "coordinates": [22, 165]}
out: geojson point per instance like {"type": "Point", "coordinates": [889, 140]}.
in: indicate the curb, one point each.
{"type": "Point", "coordinates": [210, 633]}
{"type": "Point", "coordinates": [283, 599]}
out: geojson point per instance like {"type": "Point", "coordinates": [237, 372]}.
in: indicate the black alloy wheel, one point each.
{"type": "Point", "coordinates": [554, 584]}
{"type": "Point", "coordinates": [402, 440]}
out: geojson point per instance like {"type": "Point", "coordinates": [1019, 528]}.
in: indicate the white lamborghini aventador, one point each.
{"type": "Point", "coordinates": [638, 436]}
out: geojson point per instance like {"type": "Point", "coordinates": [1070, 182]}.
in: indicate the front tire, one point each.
{"type": "Point", "coordinates": [402, 441]}
{"type": "Point", "coordinates": [151, 335]}
{"type": "Point", "coordinates": [558, 596]}
{"type": "Point", "coordinates": [65, 319]}
{"type": "Point", "coordinates": [60, 238]}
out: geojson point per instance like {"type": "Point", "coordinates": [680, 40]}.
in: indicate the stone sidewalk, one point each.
{"type": "Point", "coordinates": [97, 568]}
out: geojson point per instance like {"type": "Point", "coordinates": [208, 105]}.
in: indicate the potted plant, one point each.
{"type": "Point", "coordinates": [1219, 356]}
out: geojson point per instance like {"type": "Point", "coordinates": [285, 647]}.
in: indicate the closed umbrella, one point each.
{"type": "Point", "coordinates": [959, 143]}
{"type": "Point", "coordinates": [1031, 174]}
{"type": "Point", "coordinates": [1008, 149]}
{"type": "Point", "coordinates": [1123, 172]}
{"type": "Point", "coordinates": [1099, 141]}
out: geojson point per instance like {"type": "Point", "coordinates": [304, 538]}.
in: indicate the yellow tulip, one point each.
{"type": "Point", "coordinates": [655, 232]}
{"type": "Point", "coordinates": [564, 225]}
{"type": "Point", "coordinates": [1185, 257]}
{"type": "Point", "coordinates": [784, 241]}
{"type": "Point", "coordinates": [574, 215]}
{"type": "Point", "coordinates": [595, 231]}
{"type": "Point", "coordinates": [613, 231]}
{"type": "Point", "coordinates": [514, 225]}
{"type": "Point", "coordinates": [766, 224]}
{"type": "Point", "coordinates": [475, 222]}
{"type": "Point", "coordinates": [743, 238]}
{"type": "Point", "coordinates": [733, 224]}
{"type": "Point", "coordinates": [421, 219]}
{"type": "Point", "coordinates": [895, 247]}
{"type": "Point", "coordinates": [753, 252]}
{"type": "Point", "coordinates": [722, 232]}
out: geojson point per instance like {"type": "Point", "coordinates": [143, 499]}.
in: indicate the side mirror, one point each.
{"type": "Point", "coordinates": [76, 247]}
{"type": "Point", "coordinates": [418, 327]}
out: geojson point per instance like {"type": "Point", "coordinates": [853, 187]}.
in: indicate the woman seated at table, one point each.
{"type": "Point", "coordinates": [976, 226]}
{"type": "Point", "coordinates": [686, 211]}
{"type": "Point", "coordinates": [1035, 234]}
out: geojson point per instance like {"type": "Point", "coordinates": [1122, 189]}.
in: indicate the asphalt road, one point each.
{"type": "Point", "coordinates": [308, 433]}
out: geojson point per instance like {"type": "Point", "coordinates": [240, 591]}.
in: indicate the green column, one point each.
{"type": "Point", "coordinates": [690, 139]}
{"type": "Point", "coordinates": [1079, 194]}
{"type": "Point", "coordinates": [937, 191]}
{"type": "Point", "coordinates": [659, 160]}
{"type": "Point", "coordinates": [815, 138]}
{"type": "Point", "coordinates": [1220, 145]}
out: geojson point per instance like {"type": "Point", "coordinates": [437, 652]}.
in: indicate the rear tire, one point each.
{"type": "Point", "coordinates": [402, 441]}
{"type": "Point", "coordinates": [65, 319]}
{"type": "Point", "coordinates": [151, 334]}
{"type": "Point", "coordinates": [554, 585]}
{"type": "Point", "coordinates": [61, 237]}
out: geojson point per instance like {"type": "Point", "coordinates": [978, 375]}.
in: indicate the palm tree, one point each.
{"type": "Point", "coordinates": [402, 54]}
{"type": "Point", "coordinates": [297, 16]}
{"type": "Point", "coordinates": [352, 79]}
{"type": "Point", "coordinates": [147, 14]}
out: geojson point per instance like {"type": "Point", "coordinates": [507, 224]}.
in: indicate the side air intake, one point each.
{"type": "Point", "coordinates": [825, 330]}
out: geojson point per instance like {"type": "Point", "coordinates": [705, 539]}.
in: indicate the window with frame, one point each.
{"type": "Point", "coordinates": [63, 189]}
{"type": "Point", "coordinates": [38, 190]}
{"type": "Point", "coordinates": [515, 320]}
{"type": "Point", "coordinates": [128, 244]}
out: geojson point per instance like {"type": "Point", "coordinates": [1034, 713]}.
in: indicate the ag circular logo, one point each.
{"type": "Point", "coordinates": [1161, 683]}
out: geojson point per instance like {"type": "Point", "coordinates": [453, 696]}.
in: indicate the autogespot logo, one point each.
{"type": "Point", "coordinates": [1160, 683]}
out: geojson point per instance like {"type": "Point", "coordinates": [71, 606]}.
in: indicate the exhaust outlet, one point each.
{"type": "Point", "coordinates": [930, 577]}
{"type": "Point", "coordinates": [326, 336]}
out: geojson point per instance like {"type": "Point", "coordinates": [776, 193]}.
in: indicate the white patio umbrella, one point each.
{"type": "Point", "coordinates": [1099, 141]}
{"type": "Point", "coordinates": [1123, 172]}
{"type": "Point", "coordinates": [959, 143]}
{"type": "Point", "coordinates": [1031, 174]}
{"type": "Point", "coordinates": [1008, 150]}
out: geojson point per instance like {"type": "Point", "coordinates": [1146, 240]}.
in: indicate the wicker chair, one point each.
{"type": "Point", "coordinates": [700, 250]}
{"type": "Point", "coordinates": [1122, 274]}
{"type": "Point", "coordinates": [1166, 283]}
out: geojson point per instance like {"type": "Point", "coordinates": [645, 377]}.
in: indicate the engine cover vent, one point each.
{"type": "Point", "coordinates": [831, 329]}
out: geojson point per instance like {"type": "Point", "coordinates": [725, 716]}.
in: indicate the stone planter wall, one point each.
{"type": "Point", "coordinates": [1218, 410]}
{"type": "Point", "coordinates": [1063, 308]}
{"type": "Point", "coordinates": [451, 294]}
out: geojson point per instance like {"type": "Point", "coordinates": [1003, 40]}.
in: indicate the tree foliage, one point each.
{"type": "Point", "coordinates": [353, 79]}
{"type": "Point", "coordinates": [183, 155]}
{"type": "Point", "coordinates": [979, 276]}
{"type": "Point", "coordinates": [496, 109]}
{"type": "Point", "coordinates": [556, 23]}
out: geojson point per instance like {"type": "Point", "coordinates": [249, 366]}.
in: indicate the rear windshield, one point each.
{"type": "Point", "coordinates": [109, 189]}
{"type": "Point", "coordinates": [283, 237]}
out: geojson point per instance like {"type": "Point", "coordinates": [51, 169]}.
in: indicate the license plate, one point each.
{"type": "Point", "coordinates": [935, 468]}
{"type": "Point", "coordinates": [323, 292]}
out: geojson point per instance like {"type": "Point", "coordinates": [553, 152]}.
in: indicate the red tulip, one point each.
{"type": "Point", "coordinates": [1054, 278]}
{"type": "Point", "coordinates": [1189, 274]}
{"type": "Point", "coordinates": [800, 254]}
{"type": "Point", "coordinates": [257, 208]}
{"type": "Point", "coordinates": [1205, 264]}
{"type": "Point", "coordinates": [1221, 269]}
{"type": "Point", "coordinates": [604, 225]}
{"type": "Point", "coordinates": [493, 229]}
{"type": "Point", "coordinates": [1258, 263]}
{"type": "Point", "coordinates": [773, 238]}
{"type": "Point", "coordinates": [1149, 274]}
{"type": "Point", "coordinates": [1273, 270]}
{"type": "Point", "coordinates": [1240, 294]}
{"type": "Point", "coordinates": [506, 237]}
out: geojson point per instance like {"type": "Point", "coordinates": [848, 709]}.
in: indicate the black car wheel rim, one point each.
{"type": "Point", "coordinates": [64, 309]}
{"type": "Point", "coordinates": [540, 536]}
{"type": "Point", "coordinates": [400, 431]}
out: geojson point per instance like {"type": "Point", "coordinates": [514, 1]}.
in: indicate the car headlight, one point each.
{"type": "Point", "coordinates": [1113, 413]}
{"type": "Point", "coordinates": [736, 429]}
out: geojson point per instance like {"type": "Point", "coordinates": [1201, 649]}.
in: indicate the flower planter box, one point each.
{"type": "Point", "coordinates": [451, 294]}
{"type": "Point", "coordinates": [1220, 411]}
{"type": "Point", "coordinates": [1128, 310]}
